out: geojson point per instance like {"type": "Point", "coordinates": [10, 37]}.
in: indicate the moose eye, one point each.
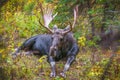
{"type": "Point", "coordinates": [61, 39]}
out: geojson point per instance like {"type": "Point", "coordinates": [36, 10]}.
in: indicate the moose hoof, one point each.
{"type": "Point", "coordinates": [52, 74]}
{"type": "Point", "coordinates": [63, 74]}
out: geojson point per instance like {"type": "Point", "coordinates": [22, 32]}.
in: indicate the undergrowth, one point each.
{"type": "Point", "coordinates": [86, 67]}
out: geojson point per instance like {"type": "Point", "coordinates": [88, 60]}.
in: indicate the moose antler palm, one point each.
{"type": "Point", "coordinates": [47, 17]}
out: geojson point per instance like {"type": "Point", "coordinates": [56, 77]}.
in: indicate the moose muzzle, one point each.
{"type": "Point", "coordinates": [53, 51]}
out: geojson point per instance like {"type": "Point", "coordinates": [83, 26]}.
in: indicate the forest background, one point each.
{"type": "Point", "coordinates": [97, 31]}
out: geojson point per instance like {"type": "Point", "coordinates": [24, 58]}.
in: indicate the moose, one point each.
{"type": "Point", "coordinates": [58, 44]}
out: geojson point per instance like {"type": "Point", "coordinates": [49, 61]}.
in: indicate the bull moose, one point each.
{"type": "Point", "coordinates": [57, 45]}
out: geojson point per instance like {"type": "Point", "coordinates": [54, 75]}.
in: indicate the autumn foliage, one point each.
{"type": "Point", "coordinates": [98, 27]}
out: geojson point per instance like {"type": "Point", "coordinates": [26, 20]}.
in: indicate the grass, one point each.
{"type": "Point", "coordinates": [89, 65]}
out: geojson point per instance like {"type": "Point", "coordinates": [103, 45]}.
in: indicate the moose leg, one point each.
{"type": "Point", "coordinates": [52, 63]}
{"type": "Point", "coordinates": [67, 65]}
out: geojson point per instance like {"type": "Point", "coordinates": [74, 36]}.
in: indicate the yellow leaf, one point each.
{"type": "Point", "coordinates": [3, 56]}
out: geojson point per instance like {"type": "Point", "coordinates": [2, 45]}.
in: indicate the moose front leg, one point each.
{"type": "Point", "coordinates": [52, 63]}
{"type": "Point", "coordinates": [67, 65]}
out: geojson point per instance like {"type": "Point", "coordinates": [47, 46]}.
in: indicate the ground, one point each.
{"type": "Point", "coordinates": [89, 65]}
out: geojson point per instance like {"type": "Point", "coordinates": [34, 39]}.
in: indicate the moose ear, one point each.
{"type": "Point", "coordinates": [55, 27]}
{"type": "Point", "coordinates": [67, 28]}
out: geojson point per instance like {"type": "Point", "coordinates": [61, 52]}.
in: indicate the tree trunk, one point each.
{"type": "Point", "coordinates": [104, 17]}
{"type": "Point", "coordinates": [90, 17]}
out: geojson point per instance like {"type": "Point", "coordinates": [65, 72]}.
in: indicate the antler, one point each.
{"type": "Point", "coordinates": [75, 18]}
{"type": "Point", "coordinates": [47, 17]}
{"type": "Point", "coordinates": [75, 15]}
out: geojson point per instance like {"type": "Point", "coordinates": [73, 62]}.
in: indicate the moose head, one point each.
{"type": "Point", "coordinates": [57, 34]}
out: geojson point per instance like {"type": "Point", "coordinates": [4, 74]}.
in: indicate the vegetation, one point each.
{"type": "Point", "coordinates": [97, 32]}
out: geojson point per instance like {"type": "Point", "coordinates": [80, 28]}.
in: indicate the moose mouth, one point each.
{"type": "Point", "coordinates": [53, 52]}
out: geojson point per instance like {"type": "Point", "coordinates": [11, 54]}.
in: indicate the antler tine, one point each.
{"type": "Point", "coordinates": [47, 17]}
{"type": "Point", "coordinates": [75, 15]}
{"type": "Point", "coordinates": [55, 14]}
